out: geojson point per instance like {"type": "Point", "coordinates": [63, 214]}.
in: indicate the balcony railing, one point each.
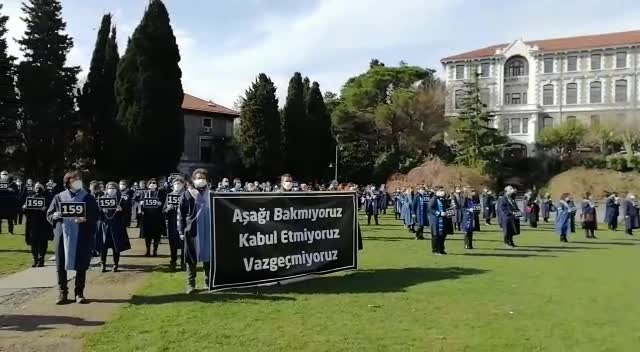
{"type": "Point", "coordinates": [517, 79]}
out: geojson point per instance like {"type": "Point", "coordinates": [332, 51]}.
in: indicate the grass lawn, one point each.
{"type": "Point", "coordinates": [15, 255]}
{"type": "Point", "coordinates": [543, 296]}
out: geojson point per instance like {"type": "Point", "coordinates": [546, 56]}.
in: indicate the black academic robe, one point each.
{"type": "Point", "coordinates": [8, 201]}
{"type": "Point", "coordinates": [489, 206]}
{"type": "Point", "coordinates": [112, 231]}
{"type": "Point", "coordinates": [508, 209]}
{"type": "Point", "coordinates": [172, 222]}
{"type": "Point", "coordinates": [37, 227]}
{"type": "Point", "coordinates": [153, 225]}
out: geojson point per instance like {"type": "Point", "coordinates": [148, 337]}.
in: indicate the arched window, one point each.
{"type": "Point", "coordinates": [572, 93]}
{"type": "Point", "coordinates": [459, 96]}
{"type": "Point", "coordinates": [547, 94]}
{"type": "Point", "coordinates": [516, 66]}
{"type": "Point", "coordinates": [621, 91]}
{"type": "Point", "coordinates": [595, 92]}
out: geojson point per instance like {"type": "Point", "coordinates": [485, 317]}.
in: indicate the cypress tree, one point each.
{"type": "Point", "coordinates": [294, 120]}
{"type": "Point", "coordinates": [306, 87]}
{"type": "Point", "coordinates": [149, 94]}
{"type": "Point", "coordinates": [260, 130]}
{"type": "Point", "coordinates": [320, 133]}
{"type": "Point", "coordinates": [112, 134]}
{"type": "Point", "coordinates": [46, 87]}
{"type": "Point", "coordinates": [9, 141]}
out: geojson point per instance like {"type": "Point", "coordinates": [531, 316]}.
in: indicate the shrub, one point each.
{"type": "Point", "coordinates": [617, 162]}
{"type": "Point", "coordinates": [579, 180]}
{"type": "Point", "coordinates": [593, 162]}
{"type": "Point", "coordinates": [634, 163]}
{"type": "Point", "coordinates": [434, 172]}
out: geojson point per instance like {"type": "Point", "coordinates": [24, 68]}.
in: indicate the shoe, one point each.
{"type": "Point", "coordinates": [155, 254]}
{"type": "Point", "coordinates": [147, 254]}
{"type": "Point", "coordinates": [115, 269]}
{"type": "Point", "coordinates": [40, 264]}
{"type": "Point", "coordinates": [80, 299]}
{"type": "Point", "coordinates": [437, 253]}
{"type": "Point", "coordinates": [62, 298]}
{"type": "Point", "coordinates": [172, 267]}
{"type": "Point", "coordinates": [34, 265]}
{"type": "Point", "coordinates": [467, 247]}
{"type": "Point", "coordinates": [104, 268]}
{"type": "Point", "coordinates": [443, 253]}
{"type": "Point", "coordinates": [190, 289]}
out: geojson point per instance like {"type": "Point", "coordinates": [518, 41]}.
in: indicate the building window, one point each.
{"type": "Point", "coordinates": [572, 63]}
{"type": "Point", "coordinates": [459, 96]}
{"type": "Point", "coordinates": [621, 59]}
{"type": "Point", "coordinates": [484, 96]}
{"type": "Point", "coordinates": [595, 61]}
{"type": "Point", "coordinates": [595, 120]}
{"type": "Point", "coordinates": [505, 125]}
{"type": "Point", "coordinates": [571, 118]}
{"type": "Point", "coordinates": [595, 92]}
{"type": "Point", "coordinates": [459, 71]}
{"type": "Point", "coordinates": [206, 149]}
{"type": "Point", "coordinates": [524, 98]}
{"type": "Point", "coordinates": [515, 99]}
{"type": "Point", "coordinates": [206, 123]}
{"type": "Point", "coordinates": [516, 68]}
{"type": "Point", "coordinates": [507, 98]}
{"type": "Point", "coordinates": [525, 125]}
{"type": "Point", "coordinates": [484, 69]}
{"type": "Point", "coordinates": [621, 91]}
{"type": "Point", "coordinates": [515, 125]}
{"type": "Point", "coordinates": [548, 65]}
{"type": "Point", "coordinates": [547, 122]}
{"type": "Point", "coordinates": [572, 93]}
{"type": "Point", "coordinates": [547, 94]}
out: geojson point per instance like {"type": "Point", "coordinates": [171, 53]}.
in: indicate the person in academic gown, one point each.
{"type": "Point", "coordinates": [477, 207]}
{"type": "Point", "coordinates": [384, 199]}
{"type": "Point", "coordinates": [23, 193]}
{"type": "Point", "coordinates": [572, 215]}
{"type": "Point", "coordinates": [421, 212]}
{"type": "Point", "coordinates": [372, 204]}
{"type": "Point", "coordinates": [489, 207]}
{"type": "Point", "coordinates": [397, 204]}
{"type": "Point", "coordinates": [563, 217]}
{"type": "Point", "coordinates": [589, 218]}
{"type": "Point", "coordinates": [8, 200]}
{"type": "Point", "coordinates": [171, 214]}
{"type": "Point", "coordinates": [194, 226]}
{"type": "Point", "coordinates": [547, 207]}
{"type": "Point", "coordinates": [153, 225]}
{"type": "Point", "coordinates": [126, 199]}
{"type": "Point", "coordinates": [441, 223]}
{"type": "Point", "coordinates": [38, 231]}
{"type": "Point", "coordinates": [532, 210]}
{"type": "Point", "coordinates": [95, 189]}
{"type": "Point", "coordinates": [630, 211]}
{"type": "Point", "coordinates": [469, 218]}
{"type": "Point", "coordinates": [612, 212]}
{"type": "Point", "coordinates": [113, 231]}
{"type": "Point", "coordinates": [456, 201]}
{"type": "Point", "coordinates": [73, 237]}
{"type": "Point", "coordinates": [406, 211]}
{"type": "Point", "coordinates": [137, 205]}
{"type": "Point", "coordinates": [509, 215]}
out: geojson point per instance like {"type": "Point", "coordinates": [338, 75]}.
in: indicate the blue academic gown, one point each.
{"type": "Point", "coordinates": [589, 216]}
{"type": "Point", "coordinates": [563, 219]}
{"type": "Point", "coordinates": [372, 203]}
{"type": "Point", "coordinates": [405, 212]}
{"type": "Point", "coordinates": [506, 214]}
{"type": "Point", "coordinates": [420, 209]}
{"type": "Point", "coordinates": [547, 208]}
{"type": "Point", "coordinates": [468, 215]}
{"type": "Point", "coordinates": [441, 225]}
{"type": "Point", "coordinates": [630, 211]}
{"type": "Point", "coordinates": [194, 223]}
{"type": "Point", "coordinates": [397, 203]}
{"type": "Point", "coordinates": [612, 212]}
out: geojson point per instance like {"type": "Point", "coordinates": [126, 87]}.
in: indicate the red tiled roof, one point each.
{"type": "Point", "coordinates": [560, 44]}
{"type": "Point", "coordinates": [196, 104]}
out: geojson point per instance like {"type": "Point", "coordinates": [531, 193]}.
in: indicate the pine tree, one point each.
{"type": "Point", "coordinates": [260, 129]}
{"type": "Point", "coordinates": [294, 124]}
{"type": "Point", "coordinates": [9, 141]}
{"type": "Point", "coordinates": [149, 93]}
{"type": "Point", "coordinates": [46, 87]}
{"type": "Point", "coordinates": [479, 144]}
{"type": "Point", "coordinates": [320, 134]}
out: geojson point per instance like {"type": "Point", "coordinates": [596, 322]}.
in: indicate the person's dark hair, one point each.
{"type": "Point", "coordinates": [112, 184]}
{"type": "Point", "coordinates": [125, 182]}
{"type": "Point", "coordinates": [587, 195]}
{"type": "Point", "coordinates": [202, 172]}
{"type": "Point", "coordinates": [71, 175]}
{"type": "Point", "coordinates": [178, 179]}
{"type": "Point", "coordinates": [152, 180]}
{"type": "Point", "coordinates": [285, 176]}
{"type": "Point", "coordinates": [564, 195]}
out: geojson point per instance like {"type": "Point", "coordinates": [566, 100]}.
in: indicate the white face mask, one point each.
{"type": "Point", "coordinates": [200, 183]}
{"type": "Point", "coordinates": [122, 187]}
{"type": "Point", "coordinates": [153, 186]}
{"type": "Point", "coordinates": [4, 177]}
{"type": "Point", "coordinates": [287, 185]}
{"type": "Point", "coordinates": [178, 186]}
{"type": "Point", "coordinates": [440, 193]}
{"type": "Point", "coordinates": [111, 192]}
{"type": "Point", "coordinates": [76, 185]}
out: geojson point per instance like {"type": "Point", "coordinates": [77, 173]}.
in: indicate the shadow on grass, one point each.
{"type": "Point", "coordinates": [537, 250]}
{"type": "Point", "coordinates": [41, 322]}
{"type": "Point", "coordinates": [598, 242]}
{"type": "Point", "coordinates": [373, 281]}
{"type": "Point", "coordinates": [567, 247]}
{"type": "Point", "coordinates": [383, 238]}
{"type": "Point", "coordinates": [203, 298]}
{"type": "Point", "coordinates": [15, 251]}
{"type": "Point", "coordinates": [506, 255]}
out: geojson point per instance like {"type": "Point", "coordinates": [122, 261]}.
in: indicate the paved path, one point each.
{"type": "Point", "coordinates": [30, 321]}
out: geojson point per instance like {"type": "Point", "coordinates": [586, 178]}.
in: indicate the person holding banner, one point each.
{"type": "Point", "coordinates": [38, 231]}
{"type": "Point", "coordinates": [441, 222]}
{"type": "Point", "coordinates": [113, 231]}
{"type": "Point", "coordinates": [194, 227]}
{"type": "Point", "coordinates": [171, 214]}
{"type": "Point", "coordinates": [509, 215]}
{"type": "Point", "coordinates": [153, 224]}
{"type": "Point", "coordinates": [73, 214]}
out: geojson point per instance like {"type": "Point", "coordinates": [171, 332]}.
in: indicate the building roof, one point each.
{"type": "Point", "coordinates": [560, 44]}
{"type": "Point", "coordinates": [200, 105]}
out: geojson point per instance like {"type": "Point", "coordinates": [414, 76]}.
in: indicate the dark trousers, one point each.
{"type": "Point", "coordinates": [39, 249]}
{"type": "Point", "coordinates": [19, 215]}
{"type": "Point", "coordinates": [10, 221]}
{"type": "Point", "coordinates": [174, 246]}
{"type": "Point", "coordinates": [458, 225]}
{"type": "Point", "coordinates": [103, 256]}
{"type": "Point", "coordinates": [613, 225]}
{"type": "Point", "coordinates": [397, 216]}
{"type": "Point", "coordinates": [572, 224]}
{"type": "Point", "coordinates": [468, 240]}
{"type": "Point", "coordinates": [375, 216]}
{"type": "Point", "coordinates": [192, 270]}
{"type": "Point", "coordinates": [437, 244]}
{"type": "Point", "coordinates": [629, 232]}
{"type": "Point", "coordinates": [156, 243]}
{"type": "Point", "coordinates": [81, 275]}
{"type": "Point", "coordinates": [420, 233]}
{"type": "Point", "coordinates": [589, 233]}
{"type": "Point", "coordinates": [508, 239]}
{"type": "Point", "coordinates": [384, 210]}
{"type": "Point", "coordinates": [488, 221]}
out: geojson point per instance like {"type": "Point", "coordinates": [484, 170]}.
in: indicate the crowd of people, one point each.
{"type": "Point", "coordinates": [174, 208]}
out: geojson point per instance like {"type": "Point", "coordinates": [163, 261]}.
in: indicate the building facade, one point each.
{"type": "Point", "coordinates": [208, 128]}
{"type": "Point", "coordinates": [532, 85]}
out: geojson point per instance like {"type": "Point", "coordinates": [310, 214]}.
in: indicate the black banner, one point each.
{"type": "Point", "coordinates": [259, 238]}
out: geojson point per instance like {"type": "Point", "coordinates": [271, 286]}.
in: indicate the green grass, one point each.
{"type": "Point", "coordinates": [544, 296]}
{"type": "Point", "coordinates": [15, 255]}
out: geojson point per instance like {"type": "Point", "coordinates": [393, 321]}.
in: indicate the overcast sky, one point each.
{"type": "Point", "coordinates": [224, 44]}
